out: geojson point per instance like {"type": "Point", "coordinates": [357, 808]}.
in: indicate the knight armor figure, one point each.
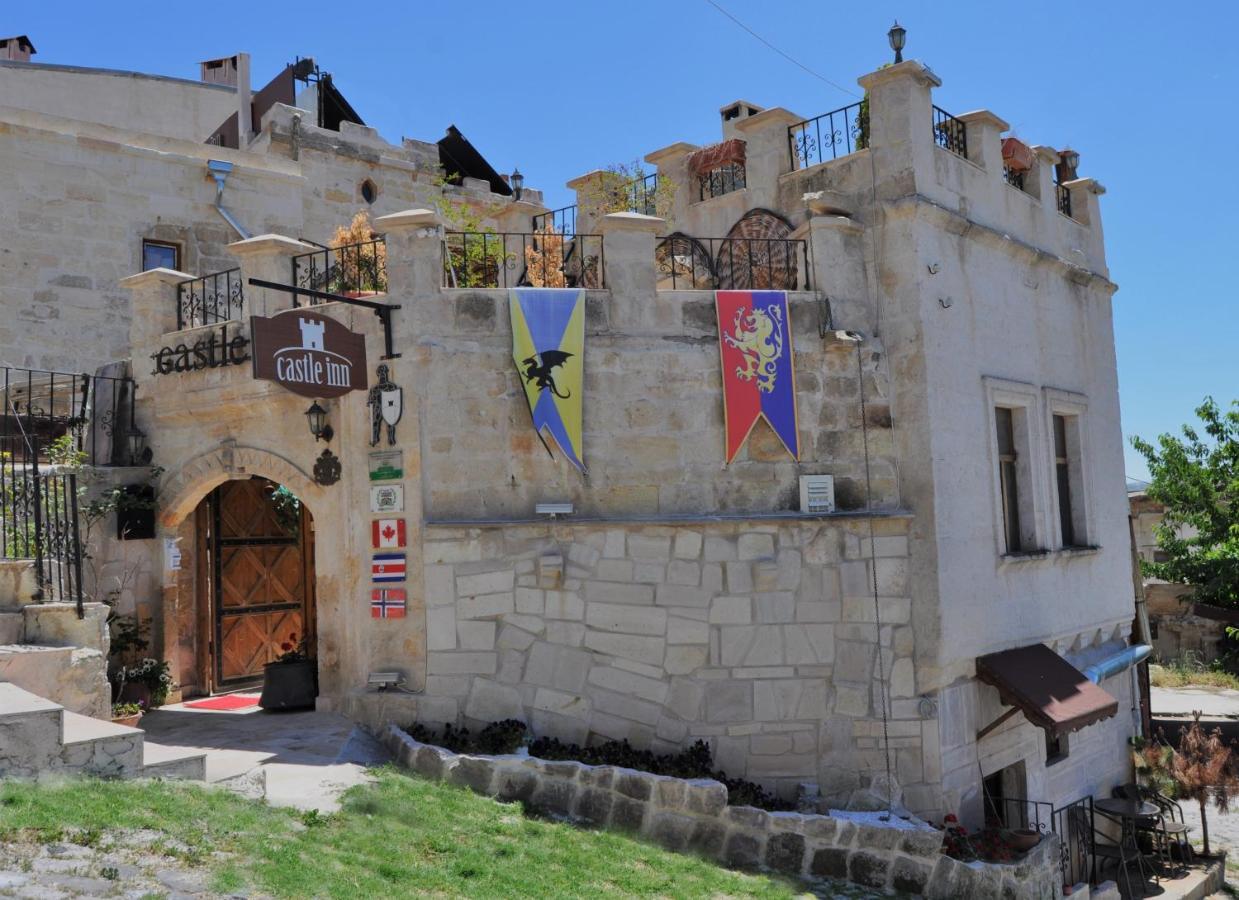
{"type": "Point", "coordinates": [385, 402]}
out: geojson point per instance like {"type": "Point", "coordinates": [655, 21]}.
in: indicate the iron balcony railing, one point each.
{"type": "Point", "coordinates": [484, 259]}
{"type": "Point", "coordinates": [829, 136]}
{"type": "Point", "coordinates": [1072, 823]}
{"type": "Point", "coordinates": [1063, 196]}
{"type": "Point", "coordinates": [1013, 177]}
{"type": "Point", "coordinates": [688, 263]}
{"type": "Point", "coordinates": [213, 298]}
{"type": "Point", "coordinates": [643, 195]}
{"type": "Point", "coordinates": [352, 270]}
{"type": "Point", "coordinates": [50, 422]}
{"type": "Point", "coordinates": [720, 181]}
{"type": "Point", "coordinates": [950, 133]}
{"type": "Point", "coordinates": [562, 220]}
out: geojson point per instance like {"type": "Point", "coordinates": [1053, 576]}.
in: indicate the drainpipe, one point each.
{"type": "Point", "coordinates": [1119, 662]}
{"type": "Point", "coordinates": [219, 170]}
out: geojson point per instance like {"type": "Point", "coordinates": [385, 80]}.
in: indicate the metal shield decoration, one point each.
{"type": "Point", "coordinates": [548, 346]}
{"type": "Point", "coordinates": [759, 381]}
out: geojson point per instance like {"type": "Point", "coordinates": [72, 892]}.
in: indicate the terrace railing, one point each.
{"type": "Point", "coordinates": [687, 263]}
{"type": "Point", "coordinates": [1013, 177]}
{"type": "Point", "coordinates": [354, 270]}
{"type": "Point", "coordinates": [720, 181]}
{"type": "Point", "coordinates": [1063, 198]}
{"type": "Point", "coordinates": [48, 419]}
{"type": "Point", "coordinates": [643, 195]}
{"type": "Point", "coordinates": [484, 259]}
{"type": "Point", "coordinates": [562, 220]}
{"type": "Point", "coordinates": [950, 133]}
{"type": "Point", "coordinates": [829, 136]}
{"type": "Point", "coordinates": [213, 298]}
{"type": "Point", "coordinates": [1073, 823]}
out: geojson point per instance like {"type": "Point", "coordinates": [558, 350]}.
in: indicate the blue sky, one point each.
{"type": "Point", "coordinates": [560, 88]}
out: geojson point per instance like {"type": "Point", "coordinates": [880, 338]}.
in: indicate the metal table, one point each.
{"type": "Point", "coordinates": [1128, 813]}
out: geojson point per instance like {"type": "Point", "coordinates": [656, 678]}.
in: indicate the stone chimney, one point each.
{"type": "Point", "coordinates": [220, 71]}
{"type": "Point", "coordinates": [734, 112]}
{"type": "Point", "coordinates": [17, 49]}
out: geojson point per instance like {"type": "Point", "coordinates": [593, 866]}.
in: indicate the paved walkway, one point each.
{"type": "Point", "coordinates": [1213, 702]}
{"type": "Point", "coordinates": [299, 759]}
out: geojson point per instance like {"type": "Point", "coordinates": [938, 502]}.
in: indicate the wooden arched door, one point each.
{"type": "Point", "coordinates": [261, 572]}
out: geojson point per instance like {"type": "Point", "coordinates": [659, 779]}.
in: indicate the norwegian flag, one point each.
{"type": "Point", "coordinates": [387, 603]}
{"type": "Point", "coordinates": [387, 567]}
{"type": "Point", "coordinates": [387, 534]}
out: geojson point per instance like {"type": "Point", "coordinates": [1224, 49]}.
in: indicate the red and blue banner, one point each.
{"type": "Point", "coordinates": [759, 381]}
{"type": "Point", "coordinates": [387, 567]}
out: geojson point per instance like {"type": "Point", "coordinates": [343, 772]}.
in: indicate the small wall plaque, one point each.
{"type": "Point", "coordinates": [387, 603]}
{"type": "Point", "coordinates": [387, 534]}
{"type": "Point", "coordinates": [386, 465]}
{"type": "Point", "coordinates": [327, 468]}
{"type": "Point", "coordinates": [386, 498]}
{"type": "Point", "coordinates": [387, 567]}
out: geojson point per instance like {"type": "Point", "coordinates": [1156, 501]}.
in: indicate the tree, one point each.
{"type": "Point", "coordinates": [1196, 478]}
{"type": "Point", "coordinates": [1203, 770]}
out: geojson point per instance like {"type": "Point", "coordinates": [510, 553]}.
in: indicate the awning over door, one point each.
{"type": "Point", "coordinates": [1050, 691]}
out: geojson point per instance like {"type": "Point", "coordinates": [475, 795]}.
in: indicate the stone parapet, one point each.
{"type": "Point", "coordinates": [693, 816]}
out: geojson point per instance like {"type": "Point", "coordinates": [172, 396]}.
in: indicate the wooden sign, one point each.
{"type": "Point", "coordinates": [308, 353]}
{"type": "Point", "coordinates": [387, 498]}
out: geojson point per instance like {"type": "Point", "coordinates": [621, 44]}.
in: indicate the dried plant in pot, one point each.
{"type": "Point", "coordinates": [291, 681]}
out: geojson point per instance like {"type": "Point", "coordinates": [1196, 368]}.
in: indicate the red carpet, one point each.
{"type": "Point", "coordinates": [227, 701]}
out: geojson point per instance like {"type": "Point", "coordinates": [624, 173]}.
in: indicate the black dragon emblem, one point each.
{"type": "Point", "coordinates": [540, 366]}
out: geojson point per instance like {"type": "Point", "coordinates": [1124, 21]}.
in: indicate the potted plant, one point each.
{"type": "Point", "coordinates": [146, 682]}
{"type": "Point", "coordinates": [1016, 155]}
{"type": "Point", "coordinates": [291, 682]}
{"type": "Point", "coordinates": [127, 714]}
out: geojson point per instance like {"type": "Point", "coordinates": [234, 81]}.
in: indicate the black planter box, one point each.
{"type": "Point", "coordinates": [289, 685]}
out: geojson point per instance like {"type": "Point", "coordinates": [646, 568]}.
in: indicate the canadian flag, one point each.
{"type": "Point", "coordinates": [386, 534]}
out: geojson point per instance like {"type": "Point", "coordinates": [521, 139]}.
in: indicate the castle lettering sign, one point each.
{"type": "Point", "coordinates": [213, 350]}
{"type": "Point", "coordinates": [308, 353]}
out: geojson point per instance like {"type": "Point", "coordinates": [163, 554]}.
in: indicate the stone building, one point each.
{"type": "Point", "coordinates": [954, 373]}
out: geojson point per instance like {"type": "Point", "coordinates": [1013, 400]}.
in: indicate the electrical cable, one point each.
{"type": "Point", "coordinates": [786, 56]}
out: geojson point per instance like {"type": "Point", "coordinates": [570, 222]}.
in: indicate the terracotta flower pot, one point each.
{"type": "Point", "coordinates": [289, 685]}
{"type": "Point", "coordinates": [1024, 839]}
{"type": "Point", "coordinates": [128, 721]}
{"type": "Point", "coordinates": [1016, 155]}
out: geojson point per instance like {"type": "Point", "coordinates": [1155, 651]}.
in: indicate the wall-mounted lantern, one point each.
{"type": "Point", "coordinates": [898, 37]}
{"type": "Point", "coordinates": [135, 440]}
{"type": "Point", "coordinates": [518, 182]}
{"type": "Point", "coordinates": [317, 417]}
{"type": "Point", "coordinates": [1068, 163]}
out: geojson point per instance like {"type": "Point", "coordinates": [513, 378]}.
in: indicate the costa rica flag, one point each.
{"type": "Point", "coordinates": [387, 534]}
{"type": "Point", "coordinates": [387, 603]}
{"type": "Point", "coordinates": [759, 379]}
{"type": "Point", "coordinates": [387, 567]}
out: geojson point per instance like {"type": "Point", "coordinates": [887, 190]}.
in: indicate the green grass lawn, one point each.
{"type": "Point", "coordinates": [401, 836]}
{"type": "Point", "coordinates": [1190, 673]}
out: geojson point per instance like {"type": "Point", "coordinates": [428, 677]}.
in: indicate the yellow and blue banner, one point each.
{"type": "Point", "coordinates": [548, 346]}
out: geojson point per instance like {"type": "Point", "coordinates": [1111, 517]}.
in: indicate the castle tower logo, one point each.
{"type": "Point", "coordinates": [308, 353]}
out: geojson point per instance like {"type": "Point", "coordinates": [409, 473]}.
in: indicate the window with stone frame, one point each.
{"type": "Point", "coordinates": [1014, 441]}
{"type": "Point", "coordinates": [1064, 428]}
{"type": "Point", "coordinates": [160, 255]}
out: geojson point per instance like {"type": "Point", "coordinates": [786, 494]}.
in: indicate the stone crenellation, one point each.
{"type": "Point", "coordinates": [694, 816]}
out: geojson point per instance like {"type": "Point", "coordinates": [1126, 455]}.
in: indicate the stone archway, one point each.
{"type": "Point", "coordinates": [184, 627]}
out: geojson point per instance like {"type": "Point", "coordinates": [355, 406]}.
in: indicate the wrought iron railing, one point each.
{"type": "Point", "coordinates": [50, 422]}
{"type": "Point", "coordinates": [1063, 196]}
{"type": "Point", "coordinates": [353, 269]}
{"type": "Point", "coordinates": [1013, 177]}
{"type": "Point", "coordinates": [562, 220]}
{"type": "Point", "coordinates": [722, 180]}
{"type": "Point", "coordinates": [484, 259]}
{"type": "Point", "coordinates": [687, 263]}
{"type": "Point", "coordinates": [643, 195]}
{"type": "Point", "coordinates": [213, 298]}
{"type": "Point", "coordinates": [829, 136]}
{"type": "Point", "coordinates": [1073, 823]}
{"type": "Point", "coordinates": [950, 133]}
{"type": "Point", "coordinates": [1017, 812]}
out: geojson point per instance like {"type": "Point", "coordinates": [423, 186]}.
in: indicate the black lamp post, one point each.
{"type": "Point", "coordinates": [317, 417]}
{"type": "Point", "coordinates": [135, 440]}
{"type": "Point", "coordinates": [518, 182]}
{"type": "Point", "coordinates": [898, 37]}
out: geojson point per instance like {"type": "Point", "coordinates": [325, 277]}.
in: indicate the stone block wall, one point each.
{"type": "Point", "coordinates": [694, 816]}
{"type": "Point", "coordinates": [757, 636]}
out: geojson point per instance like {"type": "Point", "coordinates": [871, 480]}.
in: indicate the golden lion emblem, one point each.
{"type": "Point", "coordinates": [759, 337]}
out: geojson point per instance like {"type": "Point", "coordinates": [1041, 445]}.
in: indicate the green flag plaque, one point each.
{"type": "Point", "coordinates": [386, 465]}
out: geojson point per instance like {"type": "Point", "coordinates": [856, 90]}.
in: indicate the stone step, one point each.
{"type": "Point", "coordinates": [100, 747]}
{"type": "Point", "coordinates": [30, 732]}
{"type": "Point", "coordinates": [162, 761]}
{"type": "Point", "coordinates": [12, 627]}
{"type": "Point", "coordinates": [73, 677]}
{"type": "Point", "coordinates": [19, 583]}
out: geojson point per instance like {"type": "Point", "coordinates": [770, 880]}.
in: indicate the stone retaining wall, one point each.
{"type": "Point", "coordinates": [693, 816]}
